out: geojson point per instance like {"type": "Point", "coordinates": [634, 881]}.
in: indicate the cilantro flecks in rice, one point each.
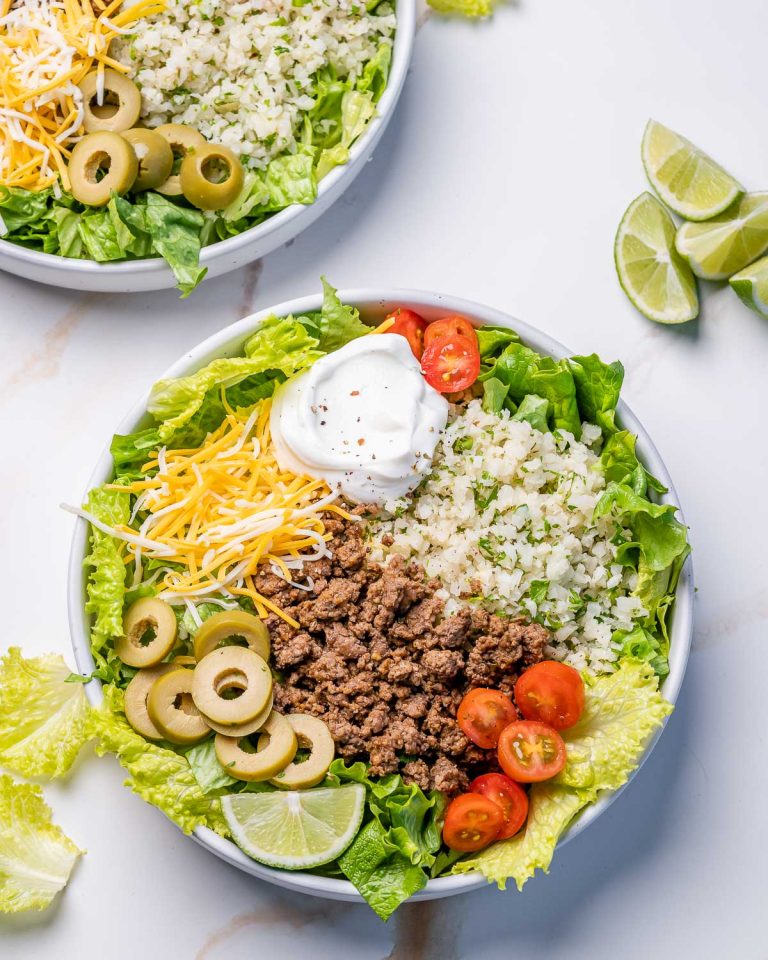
{"type": "Point", "coordinates": [242, 72]}
{"type": "Point", "coordinates": [505, 518]}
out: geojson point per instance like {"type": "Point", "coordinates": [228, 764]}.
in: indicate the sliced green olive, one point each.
{"type": "Point", "coordinates": [149, 633]}
{"type": "Point", "coordinates": [136, 694]}
{"type": "Point", "coordinates": [243, 729]}
{"type": "Point", "coordinates": [100, 164]}
{"type": "Point", "coordinates": [154, 155]}
{"type": "Point", "coordinates": [120, 107]}
{"type": "Point", "coordinates": [183, 141]}
{"type": "Point", "coordinates": [232, 628]}
{"type": "Point", "coordinates": [313, 735]}
{"type": "Point", "coordinates": [263, 765]}
{"type": "Point", "coordinates": [211, 177]}
{"type": "Point", "coordinates": [232, 685]}
{"type": "Point", "coordinates": [172, 710]}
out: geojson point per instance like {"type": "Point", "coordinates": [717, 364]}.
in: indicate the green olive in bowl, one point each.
{"type": "Point", "coordinates": [183, 141]}
{"type": "Point", "coordinates": [120, 106]}
{"type": "Point", "coordinates": [211, 177]}
{"type": "Point", "coordinates": [101, 163]}
{"type": "Point", "coordinates": [154, 156]}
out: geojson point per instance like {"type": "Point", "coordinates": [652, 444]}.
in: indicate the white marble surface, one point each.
{"type": "Point", "coordinates": [514, 153]}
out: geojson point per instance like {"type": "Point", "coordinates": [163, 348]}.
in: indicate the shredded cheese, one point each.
{"type": "Point", "coordinates": [47, 47]}
{"type": "Point", "coordinates": [223, 510]}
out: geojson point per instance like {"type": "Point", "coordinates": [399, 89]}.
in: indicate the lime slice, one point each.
{"type": "Point", "coordinates": [296, 830]}
{"type": "Point", "coordinates": [752, 286]}
{"type": "Point", "coordinates": [686, 179]}
{"type": "Point", "coordinates": [721, 247]}
{"type": "Point", "coordinates": [654, 276]}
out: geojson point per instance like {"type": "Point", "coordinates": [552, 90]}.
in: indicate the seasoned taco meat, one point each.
{"type": "Point", "coordinates": [376, 656]}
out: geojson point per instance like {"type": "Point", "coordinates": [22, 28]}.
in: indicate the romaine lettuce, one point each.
{"type": "Point", "coordinates": [281, 343]}
{"type": "Point", "coordinates": [106, 576]}
{"type": "Point", "coordinates": [598, 386]}
{"type": "Point", "coordinates": [36, 858]}
{"type": "Point", "coordinates": [43, 719]}
{"type": "Point", "coordinates": [158, 775]}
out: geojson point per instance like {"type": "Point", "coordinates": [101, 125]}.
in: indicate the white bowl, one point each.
{"type": "Point", "coordinates": [374, 304]}
{"type": "Point", "coordinates": [134, 276]}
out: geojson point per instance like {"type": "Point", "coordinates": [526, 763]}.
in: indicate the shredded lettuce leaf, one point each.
{"type": "Point", "coordinates": [598, 386]}
{"type": "Point", "coordinates": [335, 324]}
{"type": "Point", "coordinates": [621, 712]}
{"type": "Point", "coordinates": [36, 858]}
{"type": "Point", "coordinates": [207, 770]}
{"type": "Point", "coordinates": [526, 372]}
{"type": "Point", "coordinates": [281, 343]}
{"type": "Point", "coordinates": [157, 774]}
{"type": "Point", "coordinates": [44, 721]}
{"type": "Point", "coordinates": [106, 578]}
{"type": "Point", "coordinates": [389, 858]}
{"type": "Point", "coordinates": [533, 410]}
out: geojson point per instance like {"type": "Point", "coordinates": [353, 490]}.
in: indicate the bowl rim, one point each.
{"type": "Point", "coordinates": [402, 52]}
{"type": "Point", "coordinates": [225, 342]}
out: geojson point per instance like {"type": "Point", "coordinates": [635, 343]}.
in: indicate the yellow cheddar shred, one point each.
{"type": "Point", "coordinates": [47, 47]}
{"type": "Point", "coordinates": [218, 513]}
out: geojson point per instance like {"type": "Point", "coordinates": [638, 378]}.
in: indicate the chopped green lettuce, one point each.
{"type": "Point", "coordinates": [620, 464]}
{"type": "Point", "coordinates": [280, 343]}
{"type": "Point", "coordinates": [533, 410]}
{"type": "Point", "coordinates": [526, 372]}
{"type": "Point", "coordinates": [43, 719]}
{"type": "Point", "coordinates": [388, 859]}
{"type": "Point", "coordinates": [494, 395]}
{"type": "Point", "coordinates": [336, 324]}
{"type": "Point", "coordinates": [158, 775]}
{"type": "Point", "coordinates": [36, 858]}
{"type": "Point", "coordinates": [106, 576]}
{"type": "Point", "coordinates": [375, 73]}
{"type": "Point", "coordinates": [492, 340]}
{"type": "Point", "coordinates": [207, 770]}
{"type": "Point", "coordinates": [621, 712]}
{"type": "Point", "coordinates": [598, 386]}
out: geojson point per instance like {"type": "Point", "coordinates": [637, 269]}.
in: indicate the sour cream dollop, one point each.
{"type": "Point", "coordinates": [363, 419]}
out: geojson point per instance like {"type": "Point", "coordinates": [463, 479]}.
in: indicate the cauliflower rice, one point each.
{"type": "Point", "coordinates": [242, 71]}
{"type": "Point", "coordinates": [505, 518]}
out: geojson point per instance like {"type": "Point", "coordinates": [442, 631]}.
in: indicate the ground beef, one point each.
{"type": "Point", "coordinates": [378, 659]}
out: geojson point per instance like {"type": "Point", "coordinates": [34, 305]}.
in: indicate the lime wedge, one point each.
{"type": "Point", "coordinates": [296, 830]}
{"type": "Point", "coordinates": [752, 286]}
{"type": "Point", "coordinates": [654, 277]}
{"type": "Point", "coordinates": [721, 247]}
{"type": "Point", "coordinates": [686, 179]}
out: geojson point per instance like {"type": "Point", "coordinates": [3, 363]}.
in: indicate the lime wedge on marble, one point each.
{"type": "Point", "coordinates": [686, 179]}
{"type": "Point", "coordinates": [731, 241]}
{"type": "Point", "coordinates": [654, 276]}
{"type": "Point", "coordinates": [752, 286]}
{"type": "Point", "coordinates": [295, 830]}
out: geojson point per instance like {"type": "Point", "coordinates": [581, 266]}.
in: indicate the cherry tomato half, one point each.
{"type": "Point", "coordinates": [509, 795]}
{"type": "Point", "coordinates": [472, 821]}
{"type": "Point", "coordinates": [483, 714]}
{"type": "Point", "coordinates": [530, 751]}
{"type": "Point", "coordinates": [551, 692]}
{"type": "Point", "coordinates": [449, 327]}
{"type": "Point", "coordinates": [410, 325]}
{"type": "Point", "coordinates": [451, 364]}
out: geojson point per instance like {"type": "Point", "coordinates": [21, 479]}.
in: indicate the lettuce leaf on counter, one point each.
{"type": "Point", "coordinates": [43, 719]}
{"type": "Point", "coordinates": [158, 775]}
{"type": "Point", "coordinates": [621, 712]}
{"type": "Point", "coordinates": [36, 858]}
